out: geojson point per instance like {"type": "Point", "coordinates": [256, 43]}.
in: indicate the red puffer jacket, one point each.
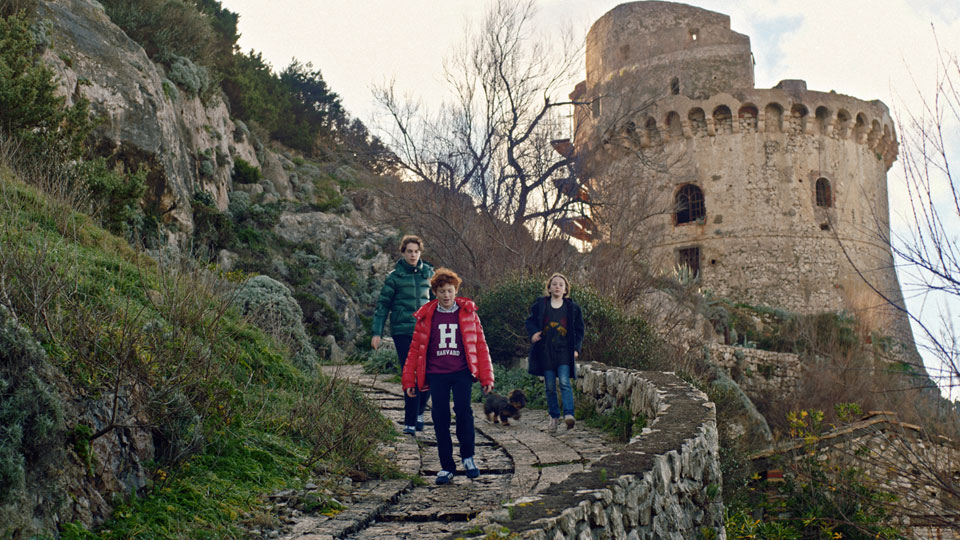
{"type": "Point", "coordinates": [475, 345]}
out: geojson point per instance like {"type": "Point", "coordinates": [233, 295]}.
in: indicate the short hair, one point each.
{"type": "Point", "coordinates": [566, 283]}
{"type": "Point", "coordinates": [444, 276]}
{"type": "Point", "coordinates": [408, 239]}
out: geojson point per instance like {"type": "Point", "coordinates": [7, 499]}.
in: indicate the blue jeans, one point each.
{"type": "Point", "coordinates": [412, 406]}
{"type": "Point", "coordinates": [441, 385]}
{"type": "Point", "coordinates": [566, 390]}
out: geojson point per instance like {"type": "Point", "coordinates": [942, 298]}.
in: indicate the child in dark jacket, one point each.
{"type": "Point", "coordinates": [449, 353]}
{"type": "Point", "coordinates": [556, 329]}
{"type": "Point", "coordinates": [406, 288]}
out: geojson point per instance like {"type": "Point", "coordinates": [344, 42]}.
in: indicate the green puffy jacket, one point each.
{"type": "Point", "coordinates": [404, 291]}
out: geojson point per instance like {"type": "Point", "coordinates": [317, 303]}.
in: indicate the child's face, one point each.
{"type": "Point", "coordinates": [558, 287]}
{"type": "Point", "coordinates": [411, 253]}
{"type": "Point", "coordinates": [446, 295]}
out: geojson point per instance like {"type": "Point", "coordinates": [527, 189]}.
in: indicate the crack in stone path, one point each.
{"type": "Point", "coordinates": [516, 460]}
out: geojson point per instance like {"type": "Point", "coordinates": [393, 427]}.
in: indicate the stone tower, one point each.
{"type": "Point", "coordinates": [769, 194]}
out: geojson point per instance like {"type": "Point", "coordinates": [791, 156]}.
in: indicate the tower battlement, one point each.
{"type": "Point", "coordinates": [772, 196]}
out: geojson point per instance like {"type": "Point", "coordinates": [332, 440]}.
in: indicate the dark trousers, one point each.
{"type": "Point", "coordinates": [412, 406]}
{"type": "Point", "coordinates": [441, 385]}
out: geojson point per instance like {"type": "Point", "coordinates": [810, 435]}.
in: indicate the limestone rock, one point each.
{"type": "Point", "coordinates": [144, 119]}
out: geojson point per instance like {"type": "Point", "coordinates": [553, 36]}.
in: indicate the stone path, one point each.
{"type": "Point", "coordinates": [515, 460]}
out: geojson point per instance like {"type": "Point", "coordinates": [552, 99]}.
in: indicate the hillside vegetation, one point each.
{"type": "Point", "coordinates": [135, 387]}
{"type": "Point", "coordinates": [157, 348]}
{"type": "Point", "coordinates": [149, 393]}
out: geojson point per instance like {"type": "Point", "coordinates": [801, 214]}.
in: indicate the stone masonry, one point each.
{"type": "Point", "coordinates": [757, 371]}
{"type": "Point", "coordinates": [921, 470]}
{"type": "Point", "coordinates": [790, 183]}
{"type": "Point", "coordinates": [664, 484]}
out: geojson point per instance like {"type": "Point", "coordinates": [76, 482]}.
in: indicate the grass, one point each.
{"type": "Point", "coordinates": [234, 417]}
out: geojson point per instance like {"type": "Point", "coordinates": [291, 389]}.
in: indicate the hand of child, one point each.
{"type": "Point", "coordinates": [375, 342]}
{"type": "Point", "coordinates": [576, 354]}
{"type": "Point", "coordinates": [412, 392]}
{"type": "Point", "coordinates": [487, 389]}
{"type": "Point", "coordinates": [536, 337]}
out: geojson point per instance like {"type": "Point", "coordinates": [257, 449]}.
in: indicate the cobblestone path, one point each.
{"type": "Point", "coordinates": [515, 460]}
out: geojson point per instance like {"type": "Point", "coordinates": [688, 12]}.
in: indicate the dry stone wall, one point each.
{"type": "Point", "coordinates": [921, 470]}
{"type": "Point", "coordinates": [758, 372]}
{"type": "Point", "coordinates": [665, 484]}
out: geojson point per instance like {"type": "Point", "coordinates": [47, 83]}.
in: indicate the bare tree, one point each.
{"type": "Point", "coordinates": [928, 254]}
{"type": "Point", "coordinates": [497, 145]}
{"type": "Point", "coordinates": [922, 464]}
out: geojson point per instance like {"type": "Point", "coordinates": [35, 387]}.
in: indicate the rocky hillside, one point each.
{"type": "Point", "coordinates": [83, 436]}
{"type": "Point", "coordinates": [191, 145]}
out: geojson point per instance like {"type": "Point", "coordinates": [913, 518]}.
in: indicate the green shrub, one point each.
{"type": "Point", "coordinates": [782, 331]}
{"type": "Point", "coordinates": [166, 29]}
{"type": "Point", "coordinates": [245, 173]}
{"type": "Point", "coordinates": [32, 432]}
{"type": "Point", "coordinates": [30, 109]}
{"type": "Point", "coordinates": [269, 304]}
{"type": "Point", "coordinates": [383, 361]}
{"type": "Point", "coordinates": [618, 422]}
{"type": "Point", "coordinates": [10, 8]}
{"type": "Point", "coordinates": [239, 206]}
{"type": "Point", "coordinates": [818, 498]}
{"type": "Point", "coordinates": [117, 194]}
{"type": "Point", "coordinates": [611, 336]}
{"type": "Point", "coordinates": [212, 228]}
{"type": "Point", "coordinates": [321, 319]}
{"type": "Point", "coordinates": [265, 216]}
{"type": "Point", "coordinates": [508, 379]}
{"type": "Point", "coordinates": [191, 77]}
{"type": "Point", "coordinates": [502, 310]}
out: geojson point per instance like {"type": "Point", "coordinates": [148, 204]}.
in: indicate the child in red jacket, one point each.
{"type": "Point", "coordinates": [447, 355]}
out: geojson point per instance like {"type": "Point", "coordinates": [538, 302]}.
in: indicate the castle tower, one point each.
{"type": "Point", "coordinates": [768, 194]}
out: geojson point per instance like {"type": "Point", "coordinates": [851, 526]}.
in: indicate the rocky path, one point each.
{"type": "Point", "coordinates": [514, 461]}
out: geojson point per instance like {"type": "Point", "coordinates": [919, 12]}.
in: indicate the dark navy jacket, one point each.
{"type": "Point", "coordinates": [535, 323]}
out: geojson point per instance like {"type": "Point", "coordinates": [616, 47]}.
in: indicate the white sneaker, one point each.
{"type": "Point", "coordinates": [552, 426]}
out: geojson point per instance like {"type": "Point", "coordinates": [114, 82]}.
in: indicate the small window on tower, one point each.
{"type": "Point", "coordinates": [595, 108]}
{"type": "Point", "coordinates": [689, 205]}
{"type": "Point", "coordinates": [675, 86]}
{"type": "Point", "coordinates": [824, 194]}
{"type": "Point", "coordinates": [694, 34]}
{"type": "Point", "coordinates": [690, 258]}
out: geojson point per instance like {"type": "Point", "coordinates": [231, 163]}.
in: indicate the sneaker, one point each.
{"type": "Point", "coordinates": [569, 420]}
{"type": "Point", "coordinates": [552, 426]}
{"type": "Point", "coordinates": [444, 477]}
{"type": "Point", "coordinates": [420, 422]}
{"type": "Point", "coordinates": [471, 468]}
{"type": "Point", "coordinates": [410, 430]}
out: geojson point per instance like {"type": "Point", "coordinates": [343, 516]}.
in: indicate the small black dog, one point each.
{"type": "Point", "coordinates": [502, 409]}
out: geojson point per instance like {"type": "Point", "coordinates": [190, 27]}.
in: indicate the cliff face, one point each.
{"type": "Point", "coordinates": [188, 145]}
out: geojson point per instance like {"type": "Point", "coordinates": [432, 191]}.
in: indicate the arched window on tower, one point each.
{"type": "Point", "coordinates": [689, 204]}
{"type": "Point", "coordinates": [824, 193]}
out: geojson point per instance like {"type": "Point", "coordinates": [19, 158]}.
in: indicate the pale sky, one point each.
{"type": "Point", "coordinates": [869, 49]}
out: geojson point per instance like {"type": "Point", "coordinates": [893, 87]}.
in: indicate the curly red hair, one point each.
{"type": "Point", "coordinates": [443, 276]}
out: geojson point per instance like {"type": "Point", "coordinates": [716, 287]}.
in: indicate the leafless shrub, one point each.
{"type": "Point", "coordinates": [337, 420]}
{"type": "Point", "coordinates": [14, 7]}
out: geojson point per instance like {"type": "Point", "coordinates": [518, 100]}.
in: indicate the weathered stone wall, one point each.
{"type": "Point", "coordinates": [651, 43]}
{"type": "Point", "coordinates": [755, 154]}
{"type": "Point", "coordinates": [664, 484]}
{"type": "Point", "coordinates": [900, 458]}
{"type": "Point", "coordinates": [758, 372]}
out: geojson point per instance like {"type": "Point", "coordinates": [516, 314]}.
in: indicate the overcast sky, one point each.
{"type": "Point", "coordinates": [869, 49]}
